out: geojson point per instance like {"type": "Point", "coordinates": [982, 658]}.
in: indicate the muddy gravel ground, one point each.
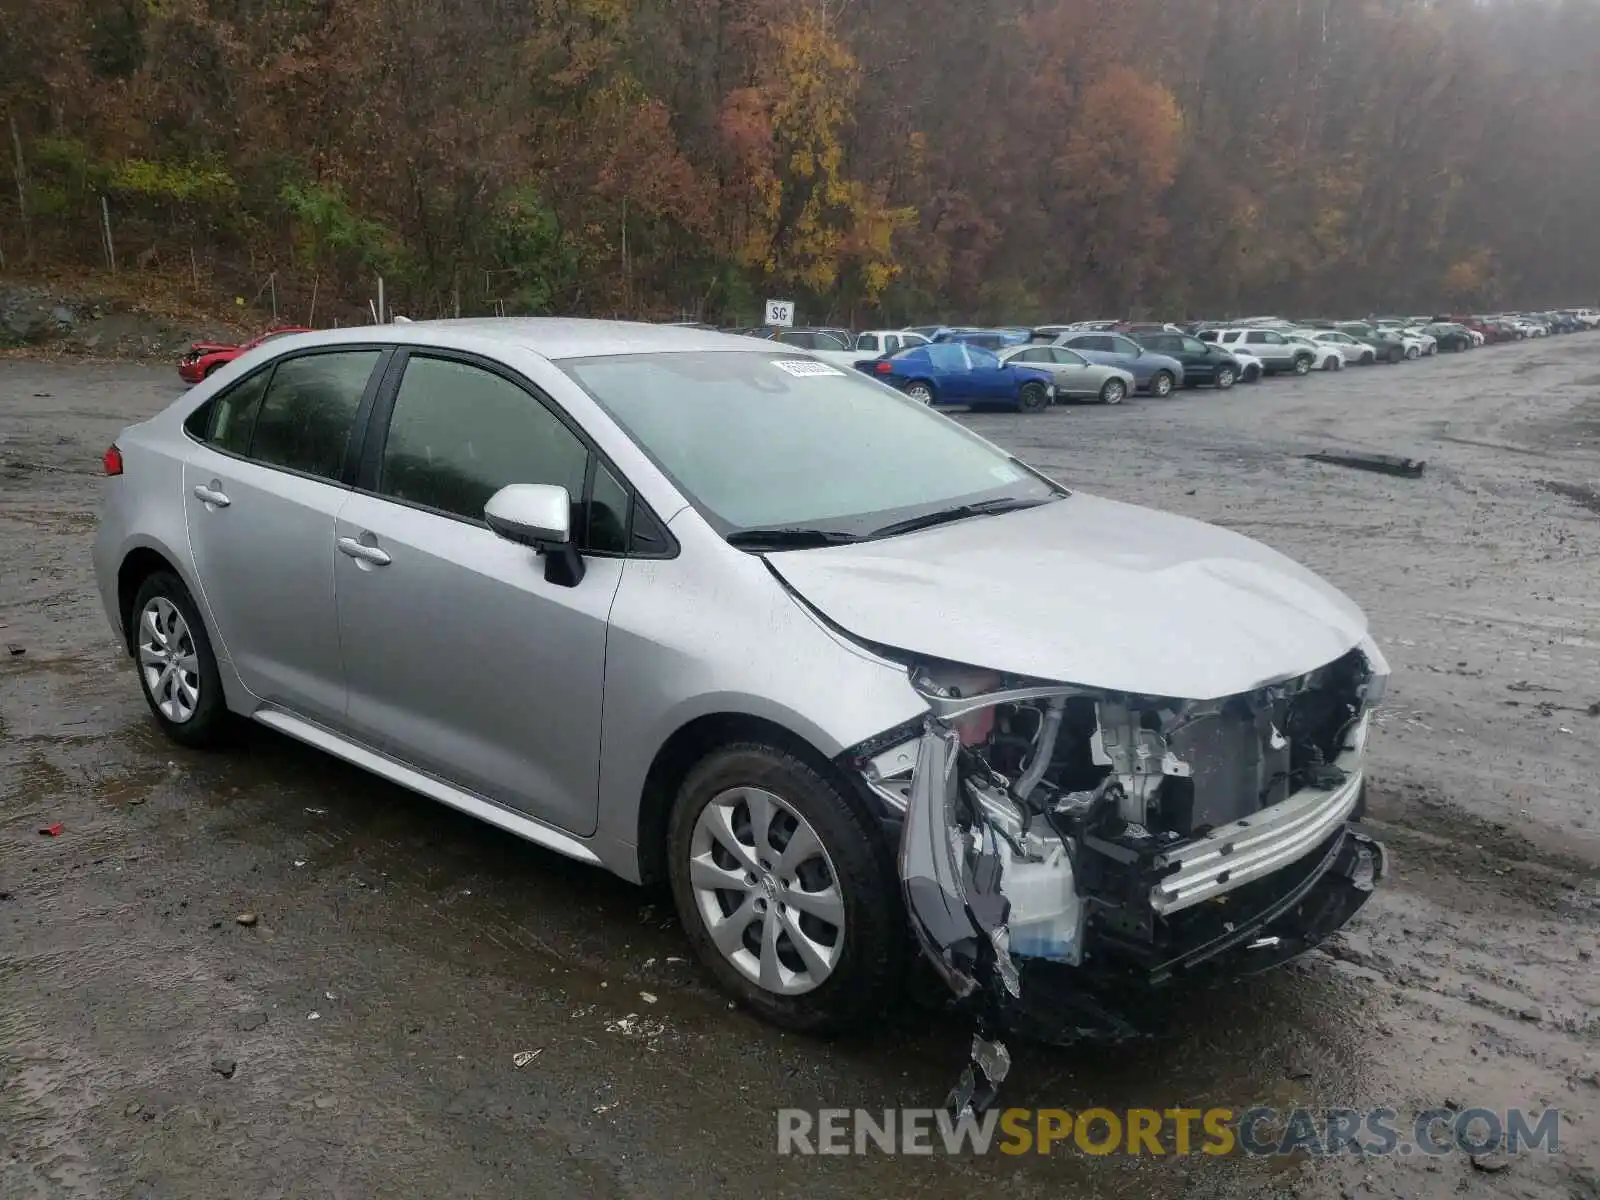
{"type": "Point", "coordinates": [358, 1040]}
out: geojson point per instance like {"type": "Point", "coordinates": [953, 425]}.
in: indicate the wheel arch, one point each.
{"type": "Point", "coordinates": [138, 563]}
{"type": "Point", "coordinates": [688, 745]}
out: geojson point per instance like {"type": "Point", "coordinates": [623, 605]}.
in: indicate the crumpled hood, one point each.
{"type": "Point", "coordinates": [1088, 591]}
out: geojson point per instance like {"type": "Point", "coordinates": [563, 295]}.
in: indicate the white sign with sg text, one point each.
{"type": "Point", "coordinates": [780, 313]}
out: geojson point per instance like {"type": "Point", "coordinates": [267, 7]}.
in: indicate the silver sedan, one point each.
{"type": "Point", "coordinates": [1076, 376]}
{"type": "Point", "coordinates": [725, 615]}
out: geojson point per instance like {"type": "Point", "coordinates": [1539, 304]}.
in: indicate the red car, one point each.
{"type": "Point", "coordinates": [206, 357]}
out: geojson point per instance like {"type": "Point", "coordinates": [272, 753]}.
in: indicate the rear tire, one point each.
{"type": "Point", "coordinates": [919, 391]}
{"type": "Point", "coordinates": [1302, 364]}
{"type": "Point", "coordinates": [177, 668]}
{"type": "Point", "coordinates": [863, 975]}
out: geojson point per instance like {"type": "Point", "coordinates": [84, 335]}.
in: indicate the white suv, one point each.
{"type": "Point", "coordinates": [1278, 354]}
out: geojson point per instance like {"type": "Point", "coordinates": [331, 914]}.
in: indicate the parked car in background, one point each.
{"type": "Point", "coordinates": [1154, 373]}
{"type": "Point", "coordinates": [1251, 369]}
{"type": "Point", "coordinates": [1278, 353]}
{"type": "Point", "coordinates": [1075, 376]}
{"type": "Point", "coordinates": [806, 339]}
{"type": "Point", "coordinates": [1450, 338]}
{"type": "Point", "coordinates": [990, 339]}
{"type": "Point", "coordinates": [1330, 357]}
{"type": "Point", "coordinates": [1418, 344]}
{"type": "Point", "coordinates": [887, 341]}
{"type": "Point", "coordinates": [205, 358]}
{"type": "Point", "coordinates": [1329, 340]}
{"type": "Point", "coordinates": [1386, 344]}
{"type": "Point", "coordinates": [1355, 352]}
{"type": "Point", "coordinates": [1203, 363]}
{"type": "Point", "coordinates": [956, 373]}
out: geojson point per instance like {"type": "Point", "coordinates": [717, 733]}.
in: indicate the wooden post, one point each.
{"type": "Point", "coordinates": [373, 310]}
{"type": "Point", "coordinates": [311, 317]}
{"type": "Point", "coordinates": [105, 220]}
{"type": "Point", "coordinates": [194, 269]}
{"type": "Point", "coordinates": [22, 193]}
{"type": "Point", "coordinates": [272, 282]}
{"type": "Point", "coordinates": [381, 310]}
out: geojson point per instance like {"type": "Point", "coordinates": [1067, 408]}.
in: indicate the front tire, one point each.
{"type": "Point", "coordinates": [177, 668]}
{"type": "Point", "coordinates": [1161, 384]}
{"type": "Point", "coordinates": [784, 890]}
{"type": "Point", "coordinates": [1226, 378]}
{"type": "Point", "coordinates": [1032, 398]}
{"type": "Point", "coordinates": [1114, 392]}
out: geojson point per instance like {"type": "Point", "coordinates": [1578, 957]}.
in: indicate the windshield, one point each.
{"type": "Point", "coordinates": [763, 441]}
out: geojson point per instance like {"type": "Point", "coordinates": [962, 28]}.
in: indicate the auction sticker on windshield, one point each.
{"type": "Point", "coordinates": [800, 368]}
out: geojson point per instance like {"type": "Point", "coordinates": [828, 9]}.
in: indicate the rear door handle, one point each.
{"type": "Point", "coordinates": [211, 495]}
{"type": "Point", "coordinates": [363, 552]}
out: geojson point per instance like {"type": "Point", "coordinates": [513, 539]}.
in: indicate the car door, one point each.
{"type": "Point", "coordinates": [1200, 361]}
{"type": "Point", "coordinates": [1257, 341]}
{"type": "Point", "coordinates": [953, 382]}
{"type": "Point", "coordinates": [461, 658]}
{"type": "Point", "coordinates": [991, 378]}
{"type": "Point", "coordinates": [1075, 375]}
{"type": "Point", "coordinates": [262, 489]}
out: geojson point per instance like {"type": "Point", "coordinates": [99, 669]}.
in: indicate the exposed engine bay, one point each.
{"type": "Point", "coordinates": [1135, 839]}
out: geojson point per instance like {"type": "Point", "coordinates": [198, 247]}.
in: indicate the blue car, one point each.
{"type": "Point", "coordinates": [990, 339]}
{"type": "Point", "coordinates": [956, 373]}
{"type": "Point", "coordinates": [1152, 372]}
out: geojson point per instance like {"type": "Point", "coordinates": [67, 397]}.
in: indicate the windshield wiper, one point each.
{"type": "Point", "coordinates": [960, 512]}
{"type": "Point", "coordinates": [788, 539]}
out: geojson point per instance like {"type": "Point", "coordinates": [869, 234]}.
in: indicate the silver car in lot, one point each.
{"type": "Point", "coordinates": [849, 678]}
{"type": "Point", "coordinates": [1076, 377]}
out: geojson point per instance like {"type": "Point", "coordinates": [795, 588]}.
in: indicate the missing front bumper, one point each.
{"type": "Point", "coordinates": [1246, 898]}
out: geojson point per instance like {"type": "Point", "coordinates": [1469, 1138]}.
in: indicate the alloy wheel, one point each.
{"type": "Point", "coordinates": [1114, 392]}
{"type": "Point", "coordinates": [767, 891]}
{"type": "Point", "coordinates": [921, 393]}
{"type": "Point", "coordinates": [168, 662]}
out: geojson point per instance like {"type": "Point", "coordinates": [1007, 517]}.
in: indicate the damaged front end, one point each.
{"type": "Point", "coordinates": [1131, 840]}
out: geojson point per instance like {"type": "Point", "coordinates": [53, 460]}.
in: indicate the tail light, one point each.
{"type": "Point", "coordinates": [112, 460]}
{"type": "Point", "coordinates": [883, 368]}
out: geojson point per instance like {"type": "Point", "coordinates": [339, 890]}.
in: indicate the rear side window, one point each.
{"type": "Point", "coordinates": [459, 434]}
{"type": "Point", "coordinates": [231, 417]}
{"type": "Point", "coordinates": [304, 421]}
{"type": "Point", "coordinates": [867, 341]}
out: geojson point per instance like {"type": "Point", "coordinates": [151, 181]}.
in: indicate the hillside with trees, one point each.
{"type": "Point", "coordinates": [878, 160]}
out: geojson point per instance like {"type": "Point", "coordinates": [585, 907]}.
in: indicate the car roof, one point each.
{"type": "Point", "coordinates": [551, 337]}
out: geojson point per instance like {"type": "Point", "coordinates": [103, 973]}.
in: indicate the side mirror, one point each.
{"type": "Point", "coordinates": [538, 515]}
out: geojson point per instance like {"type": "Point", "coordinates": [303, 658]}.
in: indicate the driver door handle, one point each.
{"type": "Point", "coordinates": [211, 496]}
{"type": "Point", "coordinates": [363, 552]}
